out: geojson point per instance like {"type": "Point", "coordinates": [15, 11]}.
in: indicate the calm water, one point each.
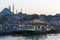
{"type": "Point", "coordinates": [40, 37]}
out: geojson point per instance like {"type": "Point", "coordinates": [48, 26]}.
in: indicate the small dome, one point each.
{"type": "Point", "coordinates": [36, 21]}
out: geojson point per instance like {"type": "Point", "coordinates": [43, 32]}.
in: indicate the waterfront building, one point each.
{"type": "Point", "coordinates": [39, 25]}
{"type": "Point", "coordinates": [55, 19]}
{"type": "Point", "coordinates": [1, 27]}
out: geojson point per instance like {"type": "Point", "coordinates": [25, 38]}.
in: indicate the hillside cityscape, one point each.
{"type": "Point", "coordinates": [11, 22]}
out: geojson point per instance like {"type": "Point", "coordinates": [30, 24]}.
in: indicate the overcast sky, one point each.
{"type": "Point", "coordinates": [33, 6]}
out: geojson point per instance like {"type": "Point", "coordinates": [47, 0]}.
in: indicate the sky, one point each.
{"type": "Point", "coordinates": [48, 7]}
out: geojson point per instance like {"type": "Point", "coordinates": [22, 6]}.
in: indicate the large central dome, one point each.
{"type": "Point", "coordinates": [6, 11]}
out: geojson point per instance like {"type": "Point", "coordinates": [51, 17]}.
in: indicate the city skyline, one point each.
{"type": "Point", "coordinates": [33, 6]}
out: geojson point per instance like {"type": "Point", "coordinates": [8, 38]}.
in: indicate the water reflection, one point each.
{"type": "Point", "coordinates": [37, 37]}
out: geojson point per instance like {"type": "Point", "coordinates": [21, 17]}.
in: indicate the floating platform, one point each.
{"type": "Point", "coordinates": [27, 32]}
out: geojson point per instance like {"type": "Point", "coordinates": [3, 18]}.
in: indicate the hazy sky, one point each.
{"type": "Point", "coordinates": [33, 6]}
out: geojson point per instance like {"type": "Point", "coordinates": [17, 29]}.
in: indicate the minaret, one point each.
{"type": "Point", "coordinates": [21, 10]}
{"type": "Point", "coordinates": [16, 11]}
{"type": "Point", "coordinates": [13, 8]}
{"type": "Point", "coordinates": [10, 8]}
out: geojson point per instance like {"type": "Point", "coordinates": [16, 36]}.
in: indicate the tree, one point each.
{"type": "Point", "coordinates": [35, 16]}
